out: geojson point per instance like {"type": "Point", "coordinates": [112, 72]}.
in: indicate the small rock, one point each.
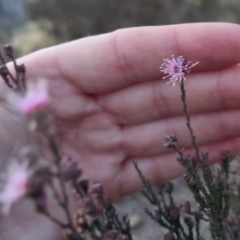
{"type": "Point", "coordinates": [135, 220]}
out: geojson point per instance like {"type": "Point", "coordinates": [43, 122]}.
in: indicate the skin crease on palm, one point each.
{"type": "Point", "coordinates": [111, 105]}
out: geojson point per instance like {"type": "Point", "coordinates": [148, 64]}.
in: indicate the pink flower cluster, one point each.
{"type": "Point", "coordinates": [176, 68]}
{"type": "Point", "coordinates": [35, 98]}
{"type": "Point", "coordinates": [15, 187]}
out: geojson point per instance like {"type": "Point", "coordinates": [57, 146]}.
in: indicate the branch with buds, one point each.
{"type": "Point", "coordinates": [33, 178]}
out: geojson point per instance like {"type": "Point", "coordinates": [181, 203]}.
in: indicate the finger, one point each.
{"type": "Point", "coordinates": [212, 91]}
{"type": "Point", "coordinates": [113, 61]}
{"type": "Point", "coordinates": [146, 139]}
{"type": "Point", "coordinates": [164, 168]}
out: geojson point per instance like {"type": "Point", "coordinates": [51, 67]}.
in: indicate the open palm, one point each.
{"type": "Point", "coordinates": [111, 105]}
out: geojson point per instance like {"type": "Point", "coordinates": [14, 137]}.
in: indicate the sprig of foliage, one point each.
{"type": "Point", "coordinates": [211, 189]}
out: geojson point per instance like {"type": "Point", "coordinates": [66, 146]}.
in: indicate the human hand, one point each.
{"type": "Point", "coordinates": [111, 105]}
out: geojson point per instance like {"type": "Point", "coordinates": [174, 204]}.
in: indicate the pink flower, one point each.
{"type": "Point", "coordinates": [16, 186]}
{"type": "Point", "coordinates": [176, 68]}
{"type": "Point", "coordinates": [35, 98]}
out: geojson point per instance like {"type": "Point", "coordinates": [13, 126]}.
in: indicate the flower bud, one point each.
{"type": "Point", "coordinates": [97, 189]}
{"type": "Point", "coordinates": [70, 170]}
{"type": "Point", "coordinates": [187, 207]}
{"type": "Point", "coordinates": [37, 182]}
{"type": "Point", "coordinates": [8, 50]}
{"type": "Point", "coordinates": [170, 142]}
{"type": "Point", "coordinates": [84, 184]}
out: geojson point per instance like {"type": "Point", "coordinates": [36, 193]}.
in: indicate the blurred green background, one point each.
{"type": "Point", "coordinates": [32, 24]}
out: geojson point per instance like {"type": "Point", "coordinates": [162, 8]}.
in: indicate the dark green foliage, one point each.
{"type": "Point", "coordinates": [167, 213]}
{"type": "Point", "coordinates": [113, 221]}
{"type": "Point", "coordinates": [211, 190]}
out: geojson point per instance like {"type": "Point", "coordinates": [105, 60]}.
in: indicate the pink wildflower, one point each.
{"type": "Point", "coordinates": [16, 186]}
{"type": "Point", "coordinates": [176, 68]}
{"type": "Point", "coordinates": [35, 98]}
